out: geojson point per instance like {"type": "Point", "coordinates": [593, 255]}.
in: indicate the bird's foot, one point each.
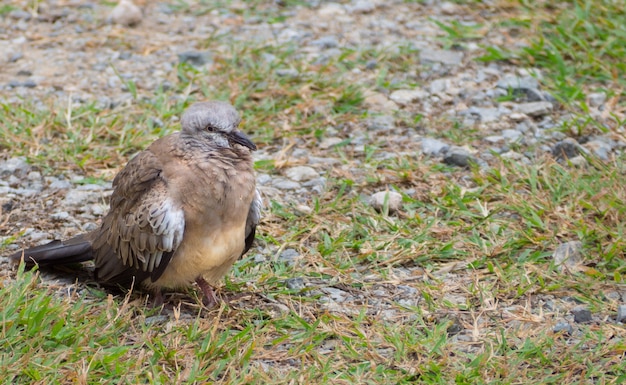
{"type": "Point", "coordinates": [209, 300]}
{"type": "Point", "coordinates": [157, 300]}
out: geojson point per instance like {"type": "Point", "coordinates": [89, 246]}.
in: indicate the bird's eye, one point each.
{"type": "Point", "coordinates": [210, 128]}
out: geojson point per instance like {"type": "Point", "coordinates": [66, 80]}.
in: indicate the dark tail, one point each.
{"type": "Point", "coordinates": [73, 250]}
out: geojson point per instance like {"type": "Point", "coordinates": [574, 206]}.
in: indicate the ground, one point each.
{"type": "Point", "coordinates": [492, 132]}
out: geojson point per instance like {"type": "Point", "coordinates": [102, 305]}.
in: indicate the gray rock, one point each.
{"type": "Point", "coordinates": [14, 166]}
{"type": "Point", "coordinates": [295, 283]}
{"type": "Point", "coordinates": [19, 14]}
{"type": "Point", "coordinates": [287, 72]}
{"type": "Point", "coordinates": [15, 57]}
{"type": "Point", "coordinates": [301, 173]}
{"type": "Point", "coordinates": [391, 199]}
{"type": "Point", "coordinates": [582, 315]}
{"type": "Point", "coordinates": [126, 13]}
{"type": "Point", "coordinates": [511, 135]}
{"type": "Point", "coordinates": [361, 6]}
{"type": "Point", "coordinates": [601, 148]}
{"type": "Point", "coordinates": [195, 58]}
{"type": "Point", "coordinates": [526, 87]}
{"type": "Point", "coordinates": [326, 42]}
{"type": "Point", "coordinates": [335, 294]}
{"type": "Point", "coordinates": [439, 86]}
{"type": "Point", "coordinates": [596, 99]}
{"type": "Point", "coordinates": [434, 147]}
{"type": "Point", "coordinates": [563, 327]}
{"type": "Point", "coordinates": [486, 115]}
{"type": "Point", "coordinates": [381, 123]}
{"type": "Point", "coordinates": [451, 58]}
{"type": "Point", "coordinates": [566, 149]}
{"type": "Point", "coordinates": [534, 109]}
{"type": "Point", "coordinates": [289, 256]}
{"type": "Point", "coordinates": [60, 216]}
{"type": "Point", "coordinates": [458, 156]}
{"type": "Point", "coordinates": [568, 255]}
{"type": "Point", "coordinates": [329, 142]}
{"type": "Point", "coordinates": [284, 184]}
{"type": "Point", "coordinates": [621, 313]}
{"type": "Point", "coordinates": [405, 97]}
{"type": "Point", "coordinates": [78, 198]}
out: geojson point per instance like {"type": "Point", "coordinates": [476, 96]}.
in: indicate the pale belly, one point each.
{"type": "Point", "coordinates": [209, 256]}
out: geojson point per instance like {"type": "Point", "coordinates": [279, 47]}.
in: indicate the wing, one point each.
{"type": "Point", "coordinates": [143, 227]}
{"type": "Point", "coordinates": [254, 216]}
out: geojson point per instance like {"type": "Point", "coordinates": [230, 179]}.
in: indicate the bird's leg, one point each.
{"type": "Point", "coordinates": [209, 300]}
{"type": "Point", "coordinates": [157, 301]}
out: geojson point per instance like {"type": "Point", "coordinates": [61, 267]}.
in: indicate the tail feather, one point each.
{"type": "Point", "coordinates": [74, 250]}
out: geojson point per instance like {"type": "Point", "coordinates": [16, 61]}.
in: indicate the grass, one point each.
{"type": "Point", "coordinates": [458, 287]}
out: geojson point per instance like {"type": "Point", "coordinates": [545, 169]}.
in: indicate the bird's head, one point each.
{"type": "Point", "coordinates": [218, 120]}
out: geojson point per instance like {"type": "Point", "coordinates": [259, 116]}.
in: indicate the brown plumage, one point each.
{"type": "Point", "coordinates": [183, 210]}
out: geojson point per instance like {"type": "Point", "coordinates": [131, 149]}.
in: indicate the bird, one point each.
{"type": "Point", "coordinates": [183, 210]}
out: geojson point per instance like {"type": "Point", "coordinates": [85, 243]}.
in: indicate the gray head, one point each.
{"type": "Point", "coordinates": [218, 120]}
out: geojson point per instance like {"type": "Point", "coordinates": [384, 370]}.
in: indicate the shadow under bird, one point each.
{"type": "Point", "coordinates": [182, 211]}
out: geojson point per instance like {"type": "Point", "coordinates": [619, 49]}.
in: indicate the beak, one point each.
{"type": "Point", "coordinates": [240, 138]}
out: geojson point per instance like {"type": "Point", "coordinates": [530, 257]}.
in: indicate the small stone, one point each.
{"type": "Point", "coordinates": [378, 102]}
{"type": "Point", "coordinates": [518, 83]}
{"type": "Point", "coordinates": [327, 143]}
{"type": "Point", "coordinates": [195, 58]}
{"type": "Point", "coordinates": [15, 57]}
{"type": "Point", "coordinates": [301, 173]}
{"type": "Point", "coordinates": [581, 315]}
{"type": "Point", "coordinates": [326, 42]}
{"type": "Point", "coordinates": [284, 184]}
{"type": "Point", "coordinates": [596, 99]}
{"type": "Point", "coordinates": [287, 72]}
{"type": "Point", "coordinates": [77, 198]}
{"type": "Point", "coordinates": [126, 13]}
{"type": "Point", "coordinates": [60, 216]}
{"type": "Point", "coordinates": [568, 255]}
{"type": "Point", "coordinates": [458, 156]}
{"type": "Point", "coordinates": [381, 123]}
{"type": "Point", "coordinates": [434, 147]}
{"type": "Point", "coordinates": [295, 283]}
{"type": "Point", "coordinates": [14, 166]}
{"type": "Point", "coordinates": [534, 109]}
{"type": "Point", "coordinates": [621, 313]}
{"type": "Point", "coordinates": [486, 115]}
{"type": "Point", "coordinates": [563, 327]}
{"type": "Point", "coordinates": [390, 199]}
{"type": "Point", "coordinates": [452, 58]}
{"type": "Point", "coordinates": [439, 86]}
{"type": "Point", "coordinates": [303, 209]}
{"type": "Point", "coordinates": [405, 97]}
{"type": "Point", "coordinates": [511, 135]}
{"type": "Point", "coordinates": [600, 148]}
{"type": "Point", "coordinates": [289, 256]}
{"type": "Point", "coordinates": [18, 14]}
{"type": "Point", "coordinates": [448, 8]}
{"type": "Point", "coordinates": [362, 6]}
{"type": "Point", "coordinates": [566, 149]}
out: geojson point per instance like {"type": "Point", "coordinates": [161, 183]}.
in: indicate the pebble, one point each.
{"type": "Point", "coordinates": [195, 58]}
{"type": "Point", "coordinates": [287, 72]}
{"type": "Point", "coordinates": [289, 256]}
{"type": "Point", "coordinates": [391, 199]}
{"type": "Point", "coordinates": [566, 149]}
{"type": "Point", "coordinates": [596, 99]}
{"type": "Point", "coordinates": [405, 97]}
{"type": "Point", "coordinates": [534, 109]}
{"type": "Point", "coordinates": [14, 166]}
{"type": "Point", "coordinates": [563, 327]}
{"type": "Point", "coordinates": [451, 58]}
{"type": "Point", "coordinates": [284, 184]}
{"type": "Point", "coordinates": [434, 147]}
{"type": "Point", "coordinates": [301, 173]}
{"type": "Point", "coordinates": [381, 123]}
{"type": "Point", "coordinates": [582, 315]}
{"type": "Point", "coordinates": [458, 156]}
{"type": "Point", "coordinates": [295, 283]}
{"type": "Point", "coordinates": [126, 13]}
{"type": "Point", "coordinates": [325, 42]}
{"type": "Point", "coordinates": [621, 313]}
{"type": "Point", "coordinates": [568, 255]}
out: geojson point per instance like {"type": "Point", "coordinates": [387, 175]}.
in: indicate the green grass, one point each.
{"type": "Point", "coordinates": [475, 246]}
